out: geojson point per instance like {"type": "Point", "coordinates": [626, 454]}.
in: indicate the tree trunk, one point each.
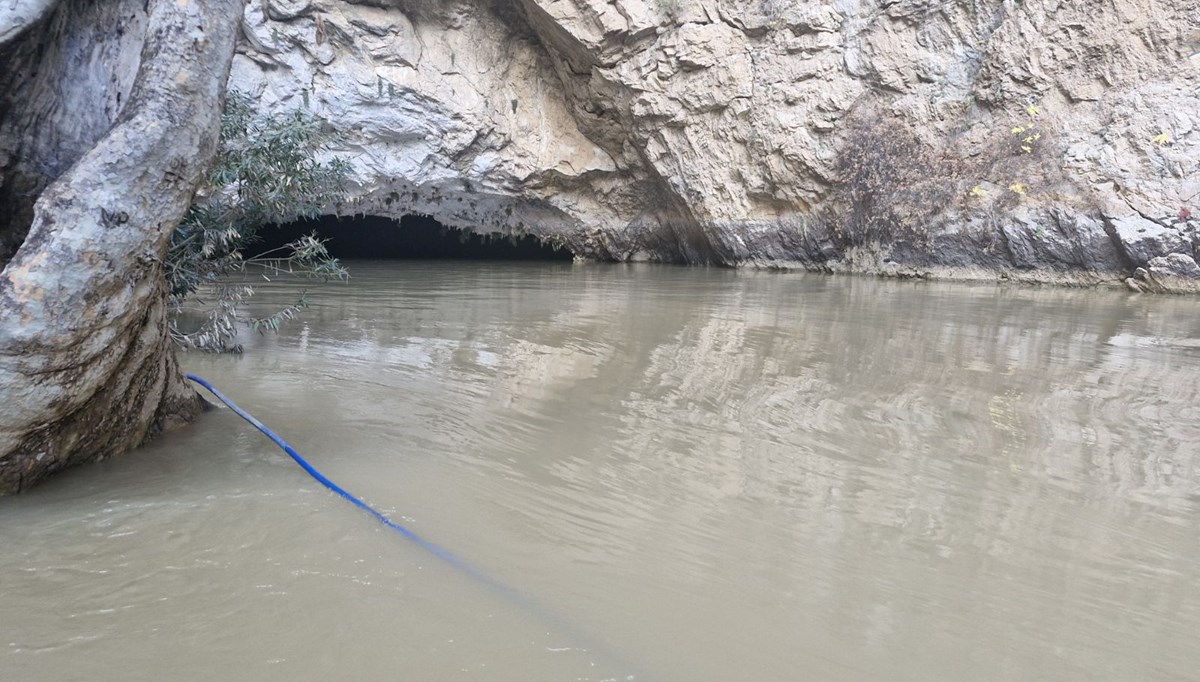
{"type": "Point", "coordinates": [86, 365]}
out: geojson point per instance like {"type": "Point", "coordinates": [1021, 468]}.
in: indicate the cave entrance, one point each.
{"type": "Point", "coordinates": [411, 237]}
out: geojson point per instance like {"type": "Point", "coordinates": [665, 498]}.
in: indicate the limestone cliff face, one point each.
{"type": "Point", "coordinates": [1051, 140]}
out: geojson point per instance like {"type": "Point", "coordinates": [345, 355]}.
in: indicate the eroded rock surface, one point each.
{"type": "Point", "coordinates": [861, 135]}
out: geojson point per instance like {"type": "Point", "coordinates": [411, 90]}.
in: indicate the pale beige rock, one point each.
{"type": "Point", "coordinates": [708, 131]}
{"type": "Point", "coordinates": [1174, 273]}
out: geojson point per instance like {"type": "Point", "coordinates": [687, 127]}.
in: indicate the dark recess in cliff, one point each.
{"type": "Point", "coordinates": [412, 237]}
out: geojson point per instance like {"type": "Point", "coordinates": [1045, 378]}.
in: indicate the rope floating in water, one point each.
{"type": "Point", "coordinates": [445, 555]}
{"type": "Point", "coordinates": [432, 548]}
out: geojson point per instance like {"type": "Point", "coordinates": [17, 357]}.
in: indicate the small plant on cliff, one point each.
{"type": "Point", "coordinates": [1016, 163]}
{"type": "Point", "coordinates": [894, 185]}
{"type": "Point", "coordinates": [1029, 132]}
{"type": "Point", "coordinates": [266, 169]}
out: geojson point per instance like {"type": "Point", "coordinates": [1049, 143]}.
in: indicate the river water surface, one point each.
{"type": "Point", "coordinates": [677, 474]}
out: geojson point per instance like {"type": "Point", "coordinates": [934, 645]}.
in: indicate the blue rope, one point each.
{"type": "Point", "coordinates": [434, 549]}
{"type": "Point", "coordinates": [437, 551]}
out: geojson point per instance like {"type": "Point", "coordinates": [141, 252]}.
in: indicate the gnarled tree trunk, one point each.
{"type": "Point", "coordinates": [86, 366]}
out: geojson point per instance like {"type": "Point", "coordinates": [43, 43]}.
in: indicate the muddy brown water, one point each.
{"type": "Point", "coordinates": [682, 474]}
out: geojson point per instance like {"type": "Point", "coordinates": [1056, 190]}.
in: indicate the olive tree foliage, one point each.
{"type": "Point", "coordinates": [266, 167]}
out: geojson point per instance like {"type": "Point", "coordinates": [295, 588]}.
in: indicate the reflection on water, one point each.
{"type": "Point", "coordinates": [709, 474]}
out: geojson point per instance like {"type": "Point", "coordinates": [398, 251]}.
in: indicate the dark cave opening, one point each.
{"type": "Point", "coordinates": [411, 237]}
